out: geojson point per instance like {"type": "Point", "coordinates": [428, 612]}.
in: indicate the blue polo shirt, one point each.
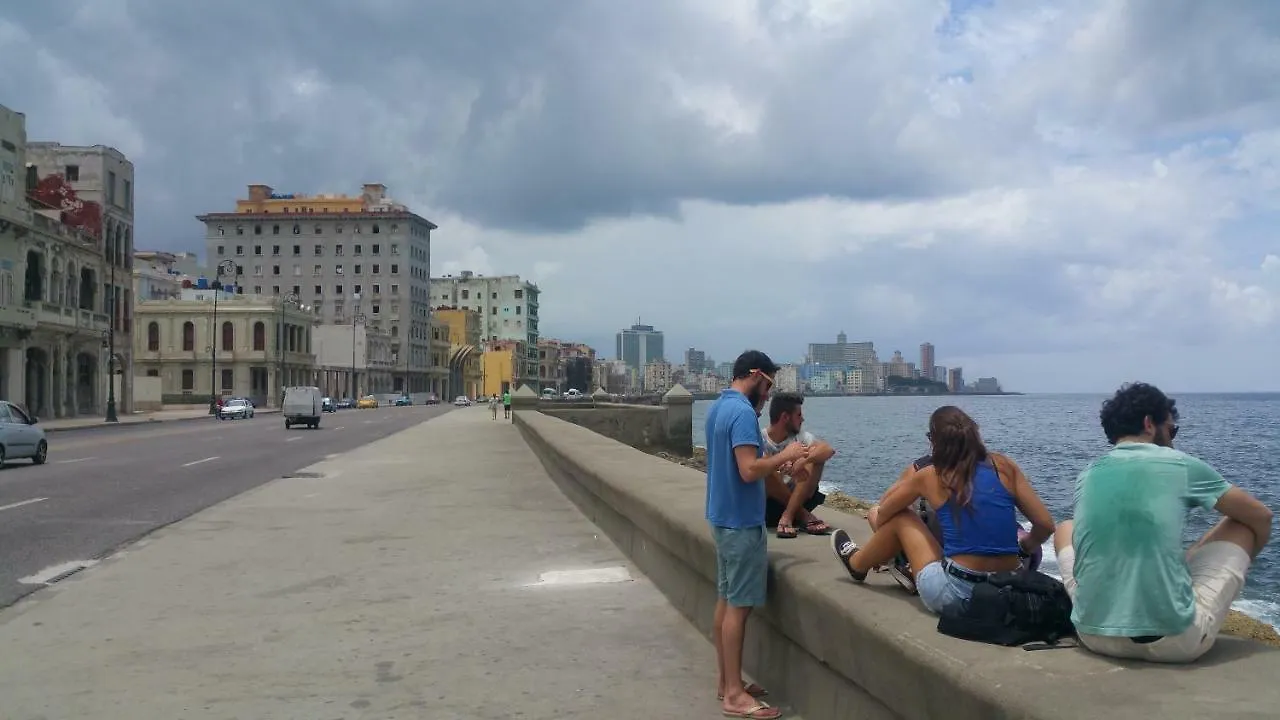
{"type": "Point", "coordinates": [731, 501]}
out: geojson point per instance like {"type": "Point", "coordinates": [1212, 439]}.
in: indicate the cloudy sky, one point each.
{"type": "Point", "coordinates": [1062, 194]}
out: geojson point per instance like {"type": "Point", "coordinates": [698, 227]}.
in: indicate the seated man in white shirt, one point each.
{"type": "Point", "coordinates": [793, 491]}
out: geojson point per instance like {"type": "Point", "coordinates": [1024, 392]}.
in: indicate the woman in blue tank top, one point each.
{"type": "Point", "coordinates": [977, 495]}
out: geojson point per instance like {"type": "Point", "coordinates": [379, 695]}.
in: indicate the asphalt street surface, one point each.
{"type": "Point", "coordinates": [102, 489]}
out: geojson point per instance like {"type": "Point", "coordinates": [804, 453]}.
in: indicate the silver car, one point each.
{"type": "Point", "coordinates": [20, 437]}
{"type": "Point", "coordinates": [236, 409]}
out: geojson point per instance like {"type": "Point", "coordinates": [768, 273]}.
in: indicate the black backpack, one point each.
{"type": "Point", "coordinates": [1014, 608]}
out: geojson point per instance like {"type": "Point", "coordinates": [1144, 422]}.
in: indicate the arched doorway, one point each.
{"type": "Point", "coordinates": [86, 382]}
{"type": "Point", "coordinates": [37, 369]}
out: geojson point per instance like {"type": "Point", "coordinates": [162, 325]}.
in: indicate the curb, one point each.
{"type": "Point", "coordinates": [141, 423]}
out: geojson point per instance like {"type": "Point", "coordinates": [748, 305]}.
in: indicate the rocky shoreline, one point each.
{"type": "Point", "coordinates": [1237, 623]}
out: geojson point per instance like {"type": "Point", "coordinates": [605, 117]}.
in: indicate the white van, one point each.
{"type": "Point", "coordinates": [302, 406]}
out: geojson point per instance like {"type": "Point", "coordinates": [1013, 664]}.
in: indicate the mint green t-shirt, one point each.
{"type": "Point", "coordinates": [1130, 512]}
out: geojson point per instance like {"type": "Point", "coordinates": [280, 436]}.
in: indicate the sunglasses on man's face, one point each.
{"type": "Point", "coordinates": [1173, 432]}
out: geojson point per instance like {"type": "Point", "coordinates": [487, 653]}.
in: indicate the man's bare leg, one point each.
{"type": "Point", "coordinates": [717, 638]}
{"type": "Point", "coordinates": [1232, 531]}
{"type": "Point", "coordinates": [733, 632]}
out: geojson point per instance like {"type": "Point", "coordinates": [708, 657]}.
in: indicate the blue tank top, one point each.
{"type": "Point", "coordinates": [988, 526]}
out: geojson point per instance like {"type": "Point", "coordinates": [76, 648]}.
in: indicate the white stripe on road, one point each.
{"type": "Point", "coordinates": [32, 501]}
{"type": "Point", "coordinates": [295, 437]}
{"type": "Point", "coordinates": [340, 427]}
{"type": "Point", "coordinates": [68, 462]}
{"type": "Point", "coordinates": [197, 462]}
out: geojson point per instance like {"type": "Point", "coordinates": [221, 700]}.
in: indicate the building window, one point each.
{"type": "Point", "coordinates": [257, 289]}
{"type": "Point", "coordinates": [297, 290]}
{"type": "Point", "coordinates": [337, 229]}
{"type": "Point", "coordinates": [337, 290]}
{"type": "Point", "coordinates": [337, 269]}
{"type": "Point", "coordinates": [228, 379]}
{"type": "Point", "coordinates": [275, 249]}
{"type": "Point", "coordinates": [275, 269]}
{"type": "Point", "coordinates": [377, 309]}
{"type": "Point", "coordinates": [297, 250]}
{"type": "Point", "coordinates": [297, 271]}
{"type": "Point", "coordinates": [376, 268]}
{"type": "Point", "coordinates": [317, 270]}
{"type": "Point", "coordinates": [318, 230]}
{"type": "Point", "coordinates": [188, 336]}
{"type": "Point", "coordinates": [259, 336]}
{"type": "Point", "coordinates": [228, 336]}
{"type": "Point", "coordinates": [377, 289]}
{"type": "Point", "coordinates": [222, 250]}
{"type": "Point", "coordinates": [356, 290]}
{"type": "Point", "coordinates": [359, 249]}
{"type": "Point", "coordinates": [297, 229]}
{"type": "Point", "coordinates": [257, 250]}
{"type": "Point", "coordinates": [188, 379]}
{"type": "Point", "coordinates": [275, 229]}
{"type": "Point", "coordinates": [153, 337]}
{"type": "Point", "coordinates": [519, 294]}
{"type": "Point", "coordinates": [359, 269]}
{"type": "Point", "coordinates": [319, 290]}
{"type": "Point", "coordinates": [395, 269]}
{"type": "Point", "coordinates": [395, 289]}
{"type": "Point", "coordinates": [375, 229]}
{"type": "Point", "coordinates": [257, 270]}
{"type": "Point", "coordinates": [337, 249]}
{"type": "Point", "coordinates": [221, 231]}
{"type": "Point", "coordinates": [395, 248]}
{"type": "Point", "coordinates": [72, 173]}
{"type": "Point", "coordinates": [377, 248]}
{"type": "Point", "coordinates": [319, 250]}
{"type": "Point", "coordinates": [239, 249]}
{"type": "Point", "coordinates": [257, 229]}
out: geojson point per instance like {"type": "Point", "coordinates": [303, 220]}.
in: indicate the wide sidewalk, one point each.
{"type": "Point", "coordinates": [431, 574]}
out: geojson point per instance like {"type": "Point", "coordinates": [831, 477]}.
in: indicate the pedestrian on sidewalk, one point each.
{"type": "Point", "coordinates": [736, 469]}
{"type": "Point", "coordinates": [493, 406]}
{"type": "Point", "coordinates": [506, 405]}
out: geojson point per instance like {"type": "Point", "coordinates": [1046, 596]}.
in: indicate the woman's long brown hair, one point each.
{"type": "Point", "coordinates": [957, 451]}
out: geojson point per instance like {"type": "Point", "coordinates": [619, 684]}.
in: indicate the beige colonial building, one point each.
{"type": "Point", "coordinates": [367, 357]}
{"type": "Point", "coordinates": [66, 230]}
{"type": "Point", "coordinates": [176, 339]}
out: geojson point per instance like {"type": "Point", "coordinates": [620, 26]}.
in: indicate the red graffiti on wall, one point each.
{"type": "Point", "coordinates": [55, 193]}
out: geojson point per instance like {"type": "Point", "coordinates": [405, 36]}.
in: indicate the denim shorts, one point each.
{"type": "Point", "coordinates": [742, 565]}
{"type": "Point", "coordinates": [941, 592]}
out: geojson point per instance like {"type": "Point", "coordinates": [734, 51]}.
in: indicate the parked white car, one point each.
{"type": "Point", "coordinates": [236, 409]}
{"type": "Point", "coordinates": [462, 401]}
{"type": "Point", "coordinates": [20, 437]}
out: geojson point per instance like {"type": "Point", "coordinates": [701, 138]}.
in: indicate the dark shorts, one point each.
{"type": "Point", "coordinates": [742, 565]}
{"type": "Point", "coordinates": [773, 509]}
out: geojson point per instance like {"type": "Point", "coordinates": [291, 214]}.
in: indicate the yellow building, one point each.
{"type": "Point", "coordinates": [500, 367]}
{"type": "Point", "coordinates": [262, 199]}
{"type": "Point", "coordinates": [466, 374]}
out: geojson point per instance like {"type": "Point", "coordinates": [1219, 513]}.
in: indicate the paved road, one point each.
{"type": "Point", "coordinates": [104, 488]}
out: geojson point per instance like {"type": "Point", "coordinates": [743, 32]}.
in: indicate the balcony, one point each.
{"type": "Point", "coordinates": [19, 317]}
{"type": "Point", "coordinates": [52, 314]}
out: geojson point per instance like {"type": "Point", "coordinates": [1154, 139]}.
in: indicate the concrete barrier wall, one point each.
{"type": "Point", "coordinates": [836, 650]}
{"type": "Point", "coordinates": [668, 426]}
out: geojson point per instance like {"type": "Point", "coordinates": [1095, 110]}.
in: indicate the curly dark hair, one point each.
{"type": "Point", "coordinates": [1122, 415]}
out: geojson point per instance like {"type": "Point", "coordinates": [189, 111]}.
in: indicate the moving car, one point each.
{"type": "Point", "coordinates": [404, 400]}
{"type": "Point", "coordinates": [327, 405]}
{"type": "Point", "coordinates": [235, 409]}
{"type": "Point", "coordinates": [462, 401]}
{"type": "Point", "coordinates": [302, 406]}
{"type": "Point", "coordinates": [433, 399]}
{"type": "Point", "coordinates": [20, 437]}
{"type": "Point", "coordinates": [367, 402]}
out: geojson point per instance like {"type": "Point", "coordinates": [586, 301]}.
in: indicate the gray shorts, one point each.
{"type": "Point", "coordinates": [742, 565]}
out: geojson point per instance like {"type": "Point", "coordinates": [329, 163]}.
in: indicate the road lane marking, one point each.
{"type": "Point", "coordinates": [32, 501]}
{"type": "Point", "coordinates": [340, 427]}
{"type": "Point", "coordinates": [197, 462]}
{"type": "Point", "coordinates": [366, 422]}
{"type": "Point", "coordinates": [57, 572]}
{"type": "Point", "coordinates": [68, 462]}
{"type": "Point", "coordinates": [295, 437]}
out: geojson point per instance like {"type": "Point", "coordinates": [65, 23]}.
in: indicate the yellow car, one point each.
{"type": "Point", "coordinates": [366, 402]}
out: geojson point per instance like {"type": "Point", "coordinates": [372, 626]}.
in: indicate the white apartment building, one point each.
{"type": "Point", "coordinates": [508, 308]}
{"type": "Point", "coordinates": [159, 275]}
{"type": "Point", "coordinates": [356, 259]}
{"type": "Point", "coordinates": [657, 377]}
{"type": "Point", "coordinates": [66, 234]}
{"type": "Point", "coordinates": [353, 367]}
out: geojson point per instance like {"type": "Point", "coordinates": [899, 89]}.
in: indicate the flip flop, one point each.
{"type": "Point", "coordinates": [816, 527]}
{"type": "Point", "coordinates": [759, 711]}
{"type": "Point", "coordinates": [752, 689]}
{"type": "Point", "coordinates": [786, 532]}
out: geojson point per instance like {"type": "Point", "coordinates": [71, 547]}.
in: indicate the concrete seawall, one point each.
{"type": "Point", "coordinates": [835, 650]}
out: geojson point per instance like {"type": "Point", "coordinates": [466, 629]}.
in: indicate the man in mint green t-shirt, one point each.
{"type": "Point", "coordinates": [1137, 592]}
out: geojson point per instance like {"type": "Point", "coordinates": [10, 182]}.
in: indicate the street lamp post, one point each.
{"type": "Point", "coordinates": [226, 267]}
{"type": "Point", "coordinates": [357, 319]}
{"type": "Point", "coordinates": [289, 299]}
{"type": "Point", "coordinates": [111, 343]}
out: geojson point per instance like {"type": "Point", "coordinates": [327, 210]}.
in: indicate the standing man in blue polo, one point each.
{"type": "Point", "coordinates": [736, 469]}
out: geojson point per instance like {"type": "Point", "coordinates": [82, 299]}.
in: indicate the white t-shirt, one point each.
{"type": "Point", "coordinates": [772, 448]}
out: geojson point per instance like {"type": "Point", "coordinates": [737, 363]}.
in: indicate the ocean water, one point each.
{"type": "Point", "coordinates": [1053, 437]}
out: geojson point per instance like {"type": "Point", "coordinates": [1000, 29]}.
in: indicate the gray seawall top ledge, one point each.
{"type": "Point", "coordinates": [871, 651]}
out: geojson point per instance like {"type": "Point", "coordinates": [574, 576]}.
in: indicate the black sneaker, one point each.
{"type": "Point", "coordinates": [900, 570]}
{"type": "Point", "coordinates": [845, 547]}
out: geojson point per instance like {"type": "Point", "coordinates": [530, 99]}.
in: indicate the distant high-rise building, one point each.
{"type": "Point", "coordinates": [640, 345]}
{"type": "Point", "coordinates": [926, 361]}
{"type": "Point", "coordinates": [695, 361]}
{"type": "Point", "coordinates": [955, 380]}
{"type": "Point", "coordinates": [843, 352]}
